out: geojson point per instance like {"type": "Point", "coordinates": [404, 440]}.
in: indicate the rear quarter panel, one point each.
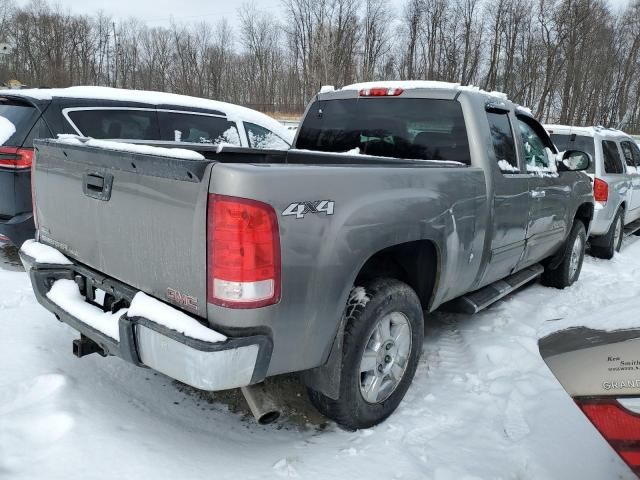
{"type": "Point", "coordinates": [375, 207]}
{"type": "Point", "coordinates": [620, 190]}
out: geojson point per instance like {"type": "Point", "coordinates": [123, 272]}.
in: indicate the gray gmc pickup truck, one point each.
{"type": "Point", "coordinates": [221, 267]}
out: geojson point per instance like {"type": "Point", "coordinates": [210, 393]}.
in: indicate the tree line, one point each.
{"type": "Point", "coordinates": [570, 61]}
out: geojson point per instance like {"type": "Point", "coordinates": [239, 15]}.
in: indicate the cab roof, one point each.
{"type": "Point", "coordinates": [423, 85]}
{"type": "Point", "coordinates": [448, 87]}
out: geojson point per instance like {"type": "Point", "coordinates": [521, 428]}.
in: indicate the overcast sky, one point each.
{"type": "Point", "coordinates": [160, 12]}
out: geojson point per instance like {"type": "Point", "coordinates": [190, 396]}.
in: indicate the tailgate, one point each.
{"type": "Point", "coordinates": [138, 218]}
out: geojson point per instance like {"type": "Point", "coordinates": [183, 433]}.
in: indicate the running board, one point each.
{"type": "Point", "coordinates": [632, 228]}
{"type": "Point", "coordinates": [480, 299]}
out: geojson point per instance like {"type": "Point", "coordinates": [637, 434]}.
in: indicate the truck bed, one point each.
{"type": "Point", "coordinates": [151, 231]}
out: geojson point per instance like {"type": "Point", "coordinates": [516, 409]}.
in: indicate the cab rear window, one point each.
{"type": "Point", "coordinates": [407, 128]}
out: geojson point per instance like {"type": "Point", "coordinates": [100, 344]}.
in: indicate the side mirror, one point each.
{"type": "Point", "coordinates": [574, 161]}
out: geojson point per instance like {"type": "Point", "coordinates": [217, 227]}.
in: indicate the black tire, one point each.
{"type": "Point", "coordinates": [606, 246]}
{"type": "Point", "coordinates": [562, 276]}
{"type": "Point", "coordinates": [367, 305]}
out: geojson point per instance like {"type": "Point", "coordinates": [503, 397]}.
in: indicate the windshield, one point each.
{"type": "Point", "coordinates": [409, 128]}
{"type": "Point", "coordinates": [584, 143]}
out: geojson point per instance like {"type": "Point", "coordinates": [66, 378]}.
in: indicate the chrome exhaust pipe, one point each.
{"type": "Point", "coordinates": [261, 404]}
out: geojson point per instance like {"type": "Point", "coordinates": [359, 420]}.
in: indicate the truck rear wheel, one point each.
{"type": "Point", "coordinates": [382, 345]}
{"type": "Point", "coordinates": [565, 274]}
{"type": "Point", "coordinates": [606, 246]}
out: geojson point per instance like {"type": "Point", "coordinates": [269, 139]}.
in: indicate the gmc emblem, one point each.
{"type": "Point", "coordinates": [174, 296]}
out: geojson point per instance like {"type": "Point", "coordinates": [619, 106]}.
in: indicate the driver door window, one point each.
{"type": "Point", "coordinates": [537, 154]}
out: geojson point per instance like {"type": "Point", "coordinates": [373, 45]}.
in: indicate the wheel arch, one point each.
{"type": "Point", "coordinates": [396, 261]}
{"type": "Point", "coordinates": [415, 263]}
{"type": "Point", "coordinates": [585, 213]}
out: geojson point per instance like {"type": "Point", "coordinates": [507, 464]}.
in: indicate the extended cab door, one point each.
{"type": "Point", "coordinates": [510, 199]}
{"type": "Point", "coordinates": [550, 193]}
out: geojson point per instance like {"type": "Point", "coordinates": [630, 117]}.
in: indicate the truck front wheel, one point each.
{"type": "Point", "coordinates": [565, 274]}
{"type": "Point", "coordinates": [382, 345]}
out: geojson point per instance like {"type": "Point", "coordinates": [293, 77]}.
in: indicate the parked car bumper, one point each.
{"type": "Point", "coordinates": [18, 229]}
{"type": "Point", "coordinates": [234, 362]}
{"type": "Point", "coordinates": [16, 218]}
{"type": "Point", "coordinates": [602, 218]}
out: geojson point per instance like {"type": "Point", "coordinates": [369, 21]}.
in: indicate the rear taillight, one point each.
{"type": "Point", "coordinates": [600, 190]}
{"type": "Point", "coordinates": [619, 426]}
{"type": "Point", "coordinates": [381, 92]}
{"type": "Point", "coordinates": [243, 250]}
{"type": "Point", "coordinates": [16, 158]}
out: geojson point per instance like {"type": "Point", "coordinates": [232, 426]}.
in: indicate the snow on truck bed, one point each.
{"type": "Point", "coordinates": [483, 404]}
{"type": "Point", "coordinates": [129, 147]}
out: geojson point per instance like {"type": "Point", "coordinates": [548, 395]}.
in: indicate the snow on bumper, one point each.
{"type": "Point", "coordinates": [147, 332]}
{"type": "Point", "coordinates": [44, 254]}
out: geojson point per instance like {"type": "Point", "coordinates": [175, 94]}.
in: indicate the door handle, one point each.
{"type": "Point", "coordinates": [96, 185]}
{"type": "Point", "coordinates": [538, 194]}
{"type": "Point", "coordinates": [94, 182]}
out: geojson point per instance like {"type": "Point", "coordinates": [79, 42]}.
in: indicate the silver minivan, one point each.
{"type": "Point", "coordinates": [615, 170]}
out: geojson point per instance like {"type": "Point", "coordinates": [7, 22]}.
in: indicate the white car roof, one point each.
{"type": "Point", "coordinates": [586, 131]}
{"type": "Point", "coordinates": [231, 111]}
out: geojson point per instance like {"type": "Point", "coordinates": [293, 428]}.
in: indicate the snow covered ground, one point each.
{"type": "Point", "coordinates": [483, 404]}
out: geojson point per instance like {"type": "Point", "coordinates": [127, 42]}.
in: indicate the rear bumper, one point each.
{"type": "Point", "coordinates": [603, 218]}
{"type": "Point", "coordinates": [231, 363]}
{"type": "Point", "coordinates": [19, 228]}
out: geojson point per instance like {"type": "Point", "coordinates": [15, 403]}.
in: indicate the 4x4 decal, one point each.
{"type": "Point", "coordinates": [300, 209]}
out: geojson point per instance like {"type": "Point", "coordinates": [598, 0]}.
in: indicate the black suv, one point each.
{"type": "Point", "coordinates": [109, 113]}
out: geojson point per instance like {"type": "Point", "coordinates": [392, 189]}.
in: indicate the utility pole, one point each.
{"type": "Point", "coordinates": [115, 56]}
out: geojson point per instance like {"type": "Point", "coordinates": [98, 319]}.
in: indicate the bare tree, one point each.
{"type": "Point", "coordinates": [574, 61]}
{"type": "Point", "coordinates": [376, 39]}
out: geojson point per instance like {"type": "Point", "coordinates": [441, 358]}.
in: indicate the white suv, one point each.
{"type": "Point", "coordinates": [616, 181]}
